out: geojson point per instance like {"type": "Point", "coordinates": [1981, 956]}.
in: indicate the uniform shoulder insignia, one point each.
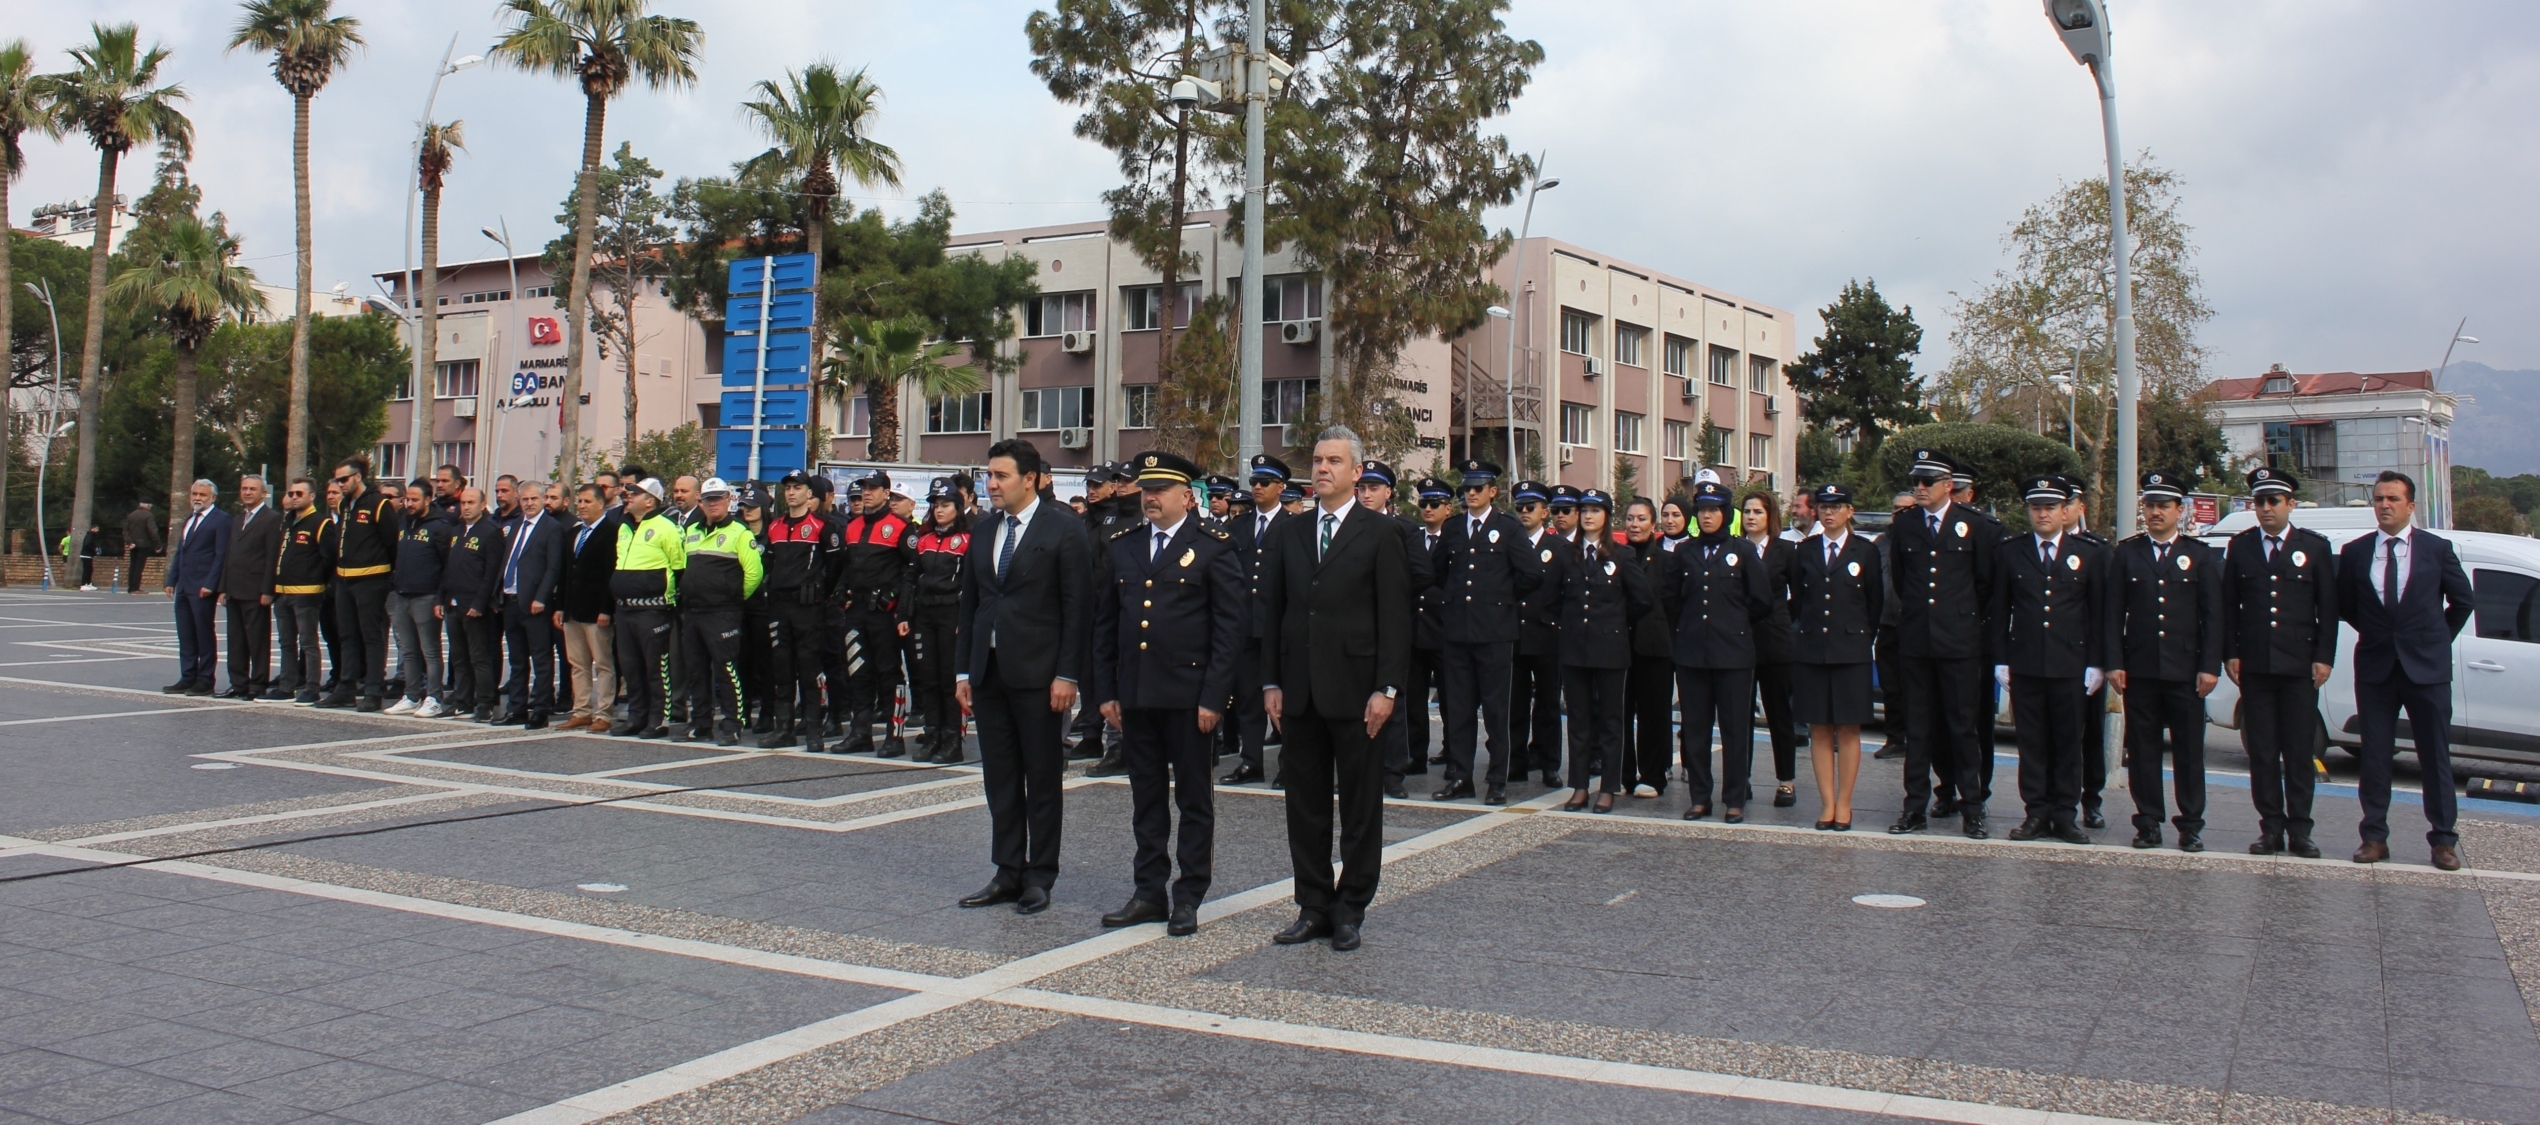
{"type": "Point", "coordinates": [1123, 533]}
{"type": "Point", "coordinates": [1216, 530]}
{"type": "Point", "coordinates": [2138, 535]}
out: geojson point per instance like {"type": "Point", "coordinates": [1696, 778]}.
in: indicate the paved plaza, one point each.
{"type": "Point", "coordinates": [225, 912]}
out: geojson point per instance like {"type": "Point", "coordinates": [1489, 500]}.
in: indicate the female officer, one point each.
{"type": "Point", "coordinates": [1602, 598]}
{"type": "Point", "coordinates": [1836, 593]}
{"type": "Point", "coordinates": [1763, 527]}
{"type": "Point", "coordinates": [1651, 688]}
{"type": "Point", "coordinates": [1675, 523]}
{"type": "Point", "coordinates": [1718, 596]}
{"type": "Point", "coordinates": [942, 546]}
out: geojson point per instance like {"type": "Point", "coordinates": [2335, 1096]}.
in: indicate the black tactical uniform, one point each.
{"type": "Point", "coordinates": [1718, 596]}
{"type": "Point", "coordinates": [934, 614]}
{"type": "Point", "coordinates": [1944, 582]}
{"type": "Point", "coordinates": [2279, 619]}
{"type": "Point", "coordinates": [1486, 566]}
{"type": "Point", "coordinates": [1534, 686]}
{"type": "Point", "coordinates": [802, 564]}
{"type": "Point", "coordinates": [2169, 633]}
{"type": "Point", "coordinates": [2050, 616]}
{"type": "Point", "coordinates": [873, 574]}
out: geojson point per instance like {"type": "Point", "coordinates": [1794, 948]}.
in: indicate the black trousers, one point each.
{"type": "Point", "coordinates": [361, 620]}
{"type": "Point", "coordinates": [873, 666]}
{"type": "Point", "coordinates": [1772, 681]}
{"type": "Point", "coordinates": [1534, 711]}
{"type": "Point", "coordinates": [1428, 675]}
{"type": "Point", "coordinates": [2429, 708]}
{"type": "Point", "coordinates": [475, 645]}
{"type": "Point", "coordinates": [1940, 717]}
{"type": "Point", "coordinates": [1896, 701]}
{"type": "Point", "coordinates": [334, 638]}
{"type": "Point", "coordinates": [930, 668]}
{"type": "Point", "coordinates": [2165, 719]}
{"type": "Point", "coordinates": [1595, 702]}
{"type": "Point", "coordinates": [531, 639]}
{"type": "Point", "coordinates": [835, 669]}
{"type": "Point", "coordinates": [1477, 681]}
{"type": "Point", "coordinates": [1725, 696]}
{"type": "Point", "coordinates": [132, 573]}
{"type": "Point", "coordinates": [2047, 710]}
{"type": "Point", "coordinates": [1650, 693]}
{"type": "Point", "coordinates": [87, 570]}
{"type": "Point", "coordinates": [711, 640]}
{"type": "Point", "coordinates": [2279, 717]}
{"type": "Point", "coordinates": [1168, 759]}
{"type": "Point", "coordinates": [196, 643]}
{"type": "Point", "coordinates": [1022, 764]}
{"type": "Point", "coordinates": [1322, 759]}
{"type": "Point", "coordinates": [643, 664]}
{"type": "Point", "coordinates": [2094, 747]}
{"type": "Point", "coordinates": [297, 616]}
{"type": "Point", "coordinates": [1252, 724]}
{"type": "Point", "coordinates": [250, 644]}
{"type": "Point", "coordinates": [754, 660]}
{"type": "Point", "coordinates": [796, 650]}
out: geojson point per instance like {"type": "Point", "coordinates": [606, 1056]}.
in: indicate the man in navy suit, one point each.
{"type": "Point", "coordinates": [1026, 616]}
{"type": "Point", "coordinates": [533, 561]}
{"type": "Point", "coordinates": [195, 561]}
{"type": "Point", "coordinates": [2407, 597]}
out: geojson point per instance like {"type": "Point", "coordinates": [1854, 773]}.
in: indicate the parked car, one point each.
{"type": "Point", "coordinates": [2495, 661]}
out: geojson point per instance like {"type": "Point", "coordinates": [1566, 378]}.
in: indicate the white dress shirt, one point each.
{"type": "Point", "coordinates": [1009, 528]}
{"type": "Point", "coordinates": [2384, 545]}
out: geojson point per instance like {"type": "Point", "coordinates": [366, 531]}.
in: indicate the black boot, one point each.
{"type": "Point", "coordinates": [780, 730]}
{"type": "Point", "coordinates": [1109, 766]}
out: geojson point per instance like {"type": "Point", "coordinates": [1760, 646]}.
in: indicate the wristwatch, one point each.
{"type": "Point", "coordinates": [1390, 691]}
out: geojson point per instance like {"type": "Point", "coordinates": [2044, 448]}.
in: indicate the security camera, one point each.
{"type": "Point", "coordinates": [1191, 93]}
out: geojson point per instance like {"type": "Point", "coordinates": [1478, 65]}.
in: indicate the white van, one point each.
{"type": "Point", "coordinates": [2495, 660]}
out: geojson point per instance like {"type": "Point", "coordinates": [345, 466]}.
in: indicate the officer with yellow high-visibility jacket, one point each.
{"type": "Point", "coordinates": [651, 551]}
{"type": "Point", "coordinates": [723, 571]}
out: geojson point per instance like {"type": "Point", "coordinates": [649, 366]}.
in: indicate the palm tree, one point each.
{"type": "Point", "coordinates": [603, 44]}
{"type": "Point", "coordinates": [185, 275]}
{"type": "Point", "coordinates": [112, 95]}
{"type": "Point", "coordinates": [881, 355]}
{"type": "Point", "coordinates": [818, 120]}
{"type": "Point", "coordinates": [308, 42]}
{"type": "Point", "coordinates": [20, 111]}
{"type": "Point", "coordinates": [441, 144]}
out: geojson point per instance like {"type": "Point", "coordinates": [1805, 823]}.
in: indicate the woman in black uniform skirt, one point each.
{"type": "Point", "coordinates": [1763, 527]}
{"type": "Point", "coordinates": [1836, 593]}
{"type": "Point", "coordinates": [1651, 687]}
{"type": "Point", "coordinates": [1601, 601]}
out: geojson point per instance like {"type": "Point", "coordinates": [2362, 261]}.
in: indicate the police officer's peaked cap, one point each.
{"type": "Point", "coordinates": [1157, 468]}
{"type": "Point", "coordinates": [1220, 482]}
{"type": "Point", "coordinates": [2265, 479]}
{"type": "Point", "coordinates": [1933, 464]}
{"type": "Point", "coordinates": [1833, 494]}
{"type": "Point", "coordinates": [1431, 488]}
{"type": "Point", "coordinates": [1293, 491]}
{"type": "Point", "coordinates": [1531, 490]}
{"type": "Point", "coordinates": [1564, 496]}
{"type": "Point", "coordinates": [1268, 468]}
{"type": "Point", "coordinates": [2163, 486]}
{"type": "Point", "coordinates": [2049, 489]}
{"type": "Point", "coordinates": [1711, 492]}
{"type": "Point", "coordinates": [1479, 471]}
{"type": "Point", "coordinates": [1596, 498]}
{"type": "Point", "coordinates": [1376, 472]}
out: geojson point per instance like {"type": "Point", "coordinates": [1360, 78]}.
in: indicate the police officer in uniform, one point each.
{"type": "Point", "coordinates": [1718, 596]}
{"type": "Point", "coordinates": [1485, 564]}
{"type": "Point", "coordinates": [943, 549]}
{"type": "Point", "coordinates": [1428, 640]}
{"type": "Point", "coordinates": [2050, 607]}
{"type": "Point", "coordinates": [1944, 559]}
{"type": "Point", "coordinates": [2279, 642]}
{"type": "Point", "coordinates": [802, 563]}
{"type": "Point", "coordinates": [1534, 692]}
{"type": "Point", "coordinates": [879, 553]}
{"type": "Point", "coordinates": [1604, 592]}
{"type": "Point", "coordinates": [2169, 654]}
{"type": "Point", "coordinates": [1170, 614]}
{"type": "Point", "coordinates": [1250, 532]}
{"type": "Point", "coordinates": [1946, 799]}
{"type": "Point", "coordinates": [1393, 744]}
{"type": "Point", "coordinates": [2094, 710]}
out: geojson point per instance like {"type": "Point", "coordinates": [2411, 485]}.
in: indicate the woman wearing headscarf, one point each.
{"type": "Point", "coordinates": [1718, 596]}
{"type": "Point", "coordinates": [1650, 689]}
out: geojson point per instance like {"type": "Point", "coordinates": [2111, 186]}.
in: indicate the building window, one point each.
{"type": "Point", "coordinates": [1759, 374]}
{"type": "Point", "coordinates": [1724, 367]}
{"type": "Point", "coordinates": [487, 297]}
{"type": "Point", "coordinates": [1139, 311]}
{"type": "Point", "coordinates": [539, 291]}
{"type": "Point", "coordinates": [1629, 343]}
{"type": "Point", "coordinates": [1679, 357]}
{"type": "Point", "coordinates": [1679, 440]}
{"type": "Point", "coordinates": [1578, 332]}
{"type": "Point", "coordinates": [958, 414]}
{"type": "Point", "coordinates": [390, 464]}
{"type": "Point", "coordinates": [859, 417]}
{"type": "Point", "coordinates": [2303, 449]}
{"type": "Point", "coordinates": [459, 453]}
{"type": "Point", "coordinates": [1578, 424]}
{"type": "Point", "coordinates": [1627, 431]}
{"type": "Point", "coordinates": [405, 384]}
{"type": "Point", "coordinates": [1294, 296]}
{"type": "Point", "coordinates": [454, 379]}
{"type": "Point", "coordinates": [1137, 406]}
{"type": "Point", "coordinates": [1759, 451]}
{"type": "Point", "coordinates": [1284, 401]}
{"type": "Point", "coordinates": [1052, 313]}
{"type": "Point", "coordinates": [1058, 408]}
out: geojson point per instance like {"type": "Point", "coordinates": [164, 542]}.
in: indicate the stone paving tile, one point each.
{"type": "Point", "coordinates": [99, 1095]}
{"type": "Point", "coordinates": [564, 756]}
{"type": "Point", "coordinates": [437, 1103]}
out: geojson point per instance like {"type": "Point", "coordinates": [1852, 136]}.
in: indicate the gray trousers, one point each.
{"type": "Point", "coordinates": [418, 644]}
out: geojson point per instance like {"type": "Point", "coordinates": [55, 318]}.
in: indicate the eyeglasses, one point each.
{"type": "Point", "coordinates": [1528, 506]}
{"type": "Point", "coordinates": [1432, 503]}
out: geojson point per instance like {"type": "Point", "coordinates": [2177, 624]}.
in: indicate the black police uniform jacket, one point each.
{"type": "Point", "coordinates": [1835, 607]}
{"type": "Point", "coordinates": [1167, 630]}
{"type": "Point", "coordinates": [2051, 619]}
{"type": "Point", "coordinates": [1602, 601]}
{"type": "Point", "coordinates": [1773, 637]}
{"type": "Point", "coordinates": [1539, 616]}
{"type": "Point", "coordinates": [1652, 635]}
{"type": "Point", "coordinates": [1718, 596]}
{"type": "Point", "coordinates": [1243, 529]}
{"type": "Point", "coordinates": [1944, 583]}
{"type": "Point", "coordinates": [1428, 631]}
{"type": "Point", "coordinates": [2280, 619]}
{"type": "Point", "coordinates": [2170, 609]}
{"type": "Point", "coordinates": [1484, 576]}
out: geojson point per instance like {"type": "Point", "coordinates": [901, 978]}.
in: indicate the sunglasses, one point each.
{"type": "Point", "coordinates": [2270, 500]}
{"type": "Point", "coordinates": [1471, 488]}
{"type": "Point", "coordinates": [1433, 503]}
{"type": "Point", "coordinates": [343, 480]}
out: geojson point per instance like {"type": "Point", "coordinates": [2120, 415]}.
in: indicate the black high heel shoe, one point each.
{"type": "Point", "coordinates": [1697, 812]}
{"type": "Point", "coordinates": [1825, 826]}
{"type": "Point", "coordinates": [1578, 800]}
{"type": "Point", "coordinates": [1604, 803]}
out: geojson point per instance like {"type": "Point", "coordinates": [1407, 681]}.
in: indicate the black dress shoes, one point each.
{"type": "Point", "coordinates": [1910, 822]}
{"type": "Point", "coordinates": [1395, 790]}
{"type": "Point", "coordinates": [1784, 796]}
{"type": "Point", "coordinates": [1183, 923]}
{"type": "Point", "coordinates": [1241, 775]}
{"type": "Point", "coordinates": [181, 687]}
{"type": "Point", "coordinates": [1944, 807]}
{"type": "Point", "coordinates": [537, 720]}
{"type": "Point", "coordinates": [2028, 830]}
{"type": "Point", "coordinates": [2302, 846]}
{"type": "Point", "coordinates": [1888, 753]}
{"type": "Point", "coordinates": [1498, 795]}
{"type": "Point", "coordinates": [991, 895]}
{"type": "Point", "coordinates": [2267, 845]}
{"type": "Point", "coordinates": [2070, 834]}
{"type": "Point", "coordinates": [1033, 900]}
{"type": "Point", "coordinates": [1307, 927]}
{"type": "Point", "coordinates": [1973, 825]}
{"type": "Point", "coordinates": [2090, 818]}
{"type": "Point", "coordinates": [2190, 842]}
{"type": "Point", "coordinates": [2147, 838]}
{"type": "Point", "coordinates": [1139, 912]}
{"type": "Point", "coordinates": [1453, 790]}
{"type": "Point", "coordinates": [1344, 937]}
{"type": "Point", "coordinates": [1552, 780]}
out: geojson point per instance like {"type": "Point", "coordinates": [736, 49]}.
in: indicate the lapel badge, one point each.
{"type": "Point", "coordinates": [1494, 535]}
{"type": "Point", "coordinates": [1609, 568]}
{"type": "Point", "coordinates": [2300, 559]}
{"type": "Point", "coordinates": [1547, 554]}
{"type": "Point", "coordinates": [2182, 562]}
{"type": "Point", "coordinates": [1853, 568]}
{"type": "Point", "coordinates": [1190, 555]}
{"type": "Point", "coordinates": [1732, 558]}
{"type": "Point", "coordinates": [1962, 531]}
{"type": "Point", "coordinates": [2072, 562]}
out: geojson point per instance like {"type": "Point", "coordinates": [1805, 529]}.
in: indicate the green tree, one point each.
{"type": "Point", "coordinates": [439, 149]}
{"type": "Point", "coordinates": [2000, 456]}
{"type": "Point", "coordinates": [2488, 512]}
{"type": "Point", "coordinates": [877, 357]}
{"type": "Point", "coordinates": [185, 275]}
{"type": "Point", "coordinates": [1195, 409]}
{"type": "Point", "coordinates": [604, 45]}
{"type": "Point", "coordinates": [308, 42]}
{"type": "Point", "coordinates": [20, 111]}
{"type": "Point", "coordinates": [2179, 434]}
{"type": "Point", "coordinates": [631, 230]}
{"type": "Point", "coordinates": [1859, 383]}
{"type": "Point", "coordinates": [684, 450]}
{"type": "Point", "coordinates": [819, 120]}
{"type": "Point", "coordinates": [1820, 458]}
{"type": "Point", "coordinates": [112, 93]}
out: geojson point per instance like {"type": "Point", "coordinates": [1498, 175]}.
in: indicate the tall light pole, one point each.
{"type": "Point", "coordinates": [2446, 365]}
{"type": "Point", "coordinates": [2083, 24]}
{"type": "Point", "coordinates": [511, 307]}
{"type": "Point", "coordinates": [1256, 90]}
{"type": "Point", "coordinates": [43, 291]}
{"type": "Point", "coordinates": [44, 462]}
{"type": "Point", "coordinates": [418, 442]}
{"type": "Point", "coordinates": [1508, 371]}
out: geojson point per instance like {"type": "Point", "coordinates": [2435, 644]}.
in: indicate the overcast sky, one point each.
{"type": "Point", "coordinates": [2358, 174]}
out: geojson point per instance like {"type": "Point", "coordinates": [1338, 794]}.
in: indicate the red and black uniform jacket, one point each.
{"type": "Point", "coordinates": [803, 558]}
{"type": "Point", "coordinates": [879, 555]}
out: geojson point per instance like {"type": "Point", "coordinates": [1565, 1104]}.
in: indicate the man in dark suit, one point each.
{"type": "Point", "coordinates": [1170, 609]}
{"type": "Point", "coordinates": [1486, 566]}
{"type": "Point", "coordinates": [1250, 531]}
{"type": "Point", "coordinates": [2406, 595]}
{"type": "Point", "coordinates": [1336, 584]}
{"type": "Point", "coordinates": [2049, 617]}
{"type": "Point", "coordinates": [195, 562]}
{"type": "Point", "coordinates": [533, 561]}
{"type": "Point", "coordinates": [1026, 616]}
{"type": "Point", "coordinates": [585, 609]}
{"type": "Point", "coordinates": [1944, 560]}
{"type": "Point", "coordinates": [2167, 597]}
{"type": "Point", "coordinates": [2279, 640]}
{"type": "Point", "coordinates": [255, 541]}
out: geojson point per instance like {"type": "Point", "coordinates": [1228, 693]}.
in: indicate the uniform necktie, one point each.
{"type": "Point", "coordinates": [1328, 520]}
{"type": "Point", "coordinates": [2389, 572]}
{"type": "Point", "coordinates": [1261, 526]}
{"type": "Point", "coordinates": [1433, 540]}
{"type": "Point", "coordinates": [2046, 553]}
{"type": "Point", "coordinates": [1934, 521]}
{"type": "Point", "coordinates": [2160, 553]}
{"type": "Point", "coordinates": [1831, 551]}
{"type": "Point", "coordinates": [1476, 532]}
{"type": "Point", "coordinates": [1005, 553]}
{"type": "Point", "coordinates": [2273, 544]}
{"type": "Point", "coordinates": [1160, 540]}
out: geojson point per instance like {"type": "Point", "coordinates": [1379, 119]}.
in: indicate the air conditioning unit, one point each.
{"type": "Point", "coordinates": [1077, 438]}
{"type": "Point", "coordinates": [1772, 408]}
{"type": "Point", "coordinates": [1693, 391]}
{"type": "Point", "coordinates": [1595, 367]}
{"type": "Point", "coordinates": [1297, 332]}
{"type": "Point", "coordinates": [1076, 343]}
{"type": "Point", "coordinates": [463, 408]}
{"type": "Point", "coordinates": [1569, 453]}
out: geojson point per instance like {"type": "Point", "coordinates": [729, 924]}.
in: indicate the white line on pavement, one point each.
{"type": "Point", "coordinates": [83, 718]}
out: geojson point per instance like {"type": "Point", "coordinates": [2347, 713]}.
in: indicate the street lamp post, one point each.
{"type": "Point", "coordinates": [2083, 25]}
{"type": "Point", "coordinates": [2446, 365]}
{"type": "Point", "coordinates": [511, 261]}
{"type": "Point", "coordinates": [418, 442]}
{"type": "Point", "coordinates": [2072, 430]}
{"type": "Point", "coordinates": [504, 423]}
{"type": "Point", "coordinates": [44, 462]}
{"type": "Point", "coordinates": [43, 291]}
{"type": "Point", "coordinates": [1508, 372]}
{"type": "Point", "coordinates": [1256, 93]}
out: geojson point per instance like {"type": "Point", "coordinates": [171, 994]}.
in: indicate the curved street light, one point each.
{"type": "Point", "coordinates": [419, 413]}
{"type": "Point", "coordinates": [2083, 26]}
{"type": "Point", "coordinates": [1517, 284]}
{"type": "Point", "coordinates": [2446, 365]}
